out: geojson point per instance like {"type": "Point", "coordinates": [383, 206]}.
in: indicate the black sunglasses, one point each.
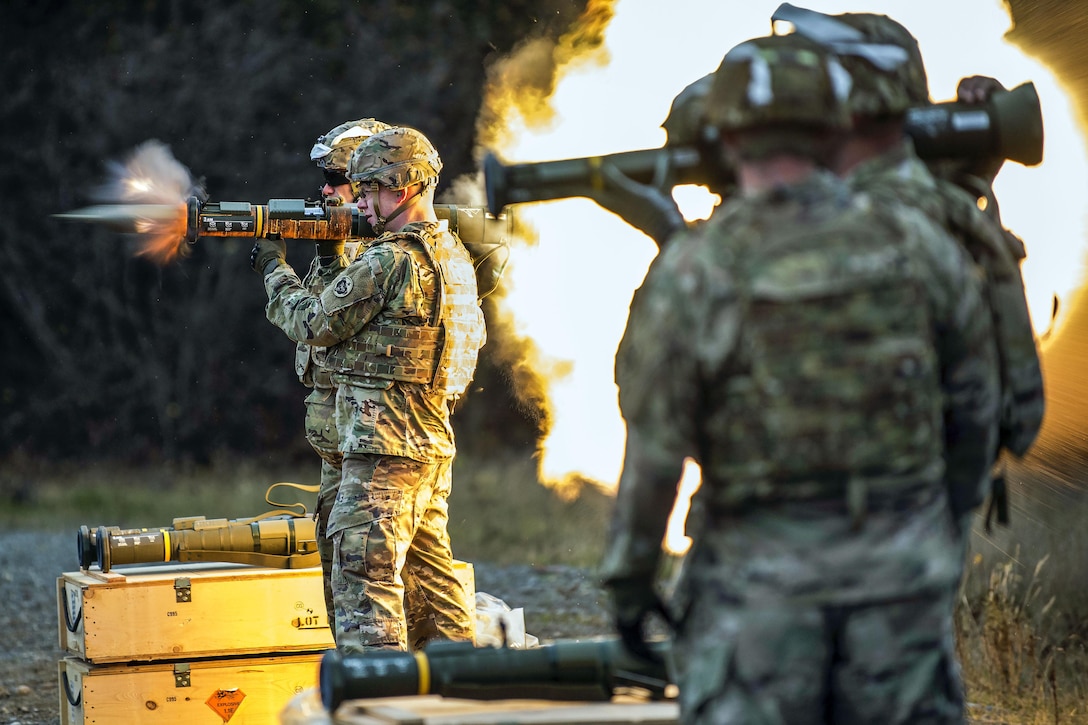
{"type": "Point", "coordinates": [335, 177]}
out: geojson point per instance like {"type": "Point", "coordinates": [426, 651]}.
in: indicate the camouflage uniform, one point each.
{"type": "Point", "coordinates": [822, 356]}
{"type": "Point", "coordinates": [331, 153]}
{"type": "Point", "coordinates": [402, 325]}
{"type": "Point", "coordinates": [320, 423]}
{"type": "Point", "coordinates": [884, 88]}
{"type": "Point", "coordinates": [901, 175]}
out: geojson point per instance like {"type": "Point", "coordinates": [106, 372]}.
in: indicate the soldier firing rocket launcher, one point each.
{"type": "Point", "coordinates": [592, 670]}
{"type": "Point", "coordinates": [282, 542]}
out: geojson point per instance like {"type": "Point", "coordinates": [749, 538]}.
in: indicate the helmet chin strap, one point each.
{"type": "Point", "coordinates": [380, 222]}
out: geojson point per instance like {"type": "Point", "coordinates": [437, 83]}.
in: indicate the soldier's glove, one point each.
{"type": "Point", "coordinates": [979, 89]}
{"type": "Point", "coordinates": [330, 248]}
{"type": "Point", "coordinates": [266, 251]}
{"type": "Point", "coordinates": [634, 601]}
{"type": "Point", "coordinates": [649, 208]}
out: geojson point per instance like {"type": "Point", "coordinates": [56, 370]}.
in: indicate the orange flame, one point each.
{"type": "Point", "coordinates": [518, 97]}
{"type": "Point", "coordinates": [577, 445]}
{"type": "Point", "coordinates": [152, 176]}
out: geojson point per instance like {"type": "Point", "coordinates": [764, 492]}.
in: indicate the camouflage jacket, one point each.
{"type": "Point", "coordinates": [679, 367]}
{"type": "Point", "coordinates": [310, 359]}
{"type": "Point", "coordinates": [900, 175]}
{"type": "Point", "coordinates": [388, 285]}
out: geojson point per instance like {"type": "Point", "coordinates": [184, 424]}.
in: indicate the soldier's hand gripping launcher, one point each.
{"type": "Point", "coordinates": [282, 542]}
{"type": "Point", "coordinates": [1009, 126]}
{"type": "Point", "coordinates": [591, 670]}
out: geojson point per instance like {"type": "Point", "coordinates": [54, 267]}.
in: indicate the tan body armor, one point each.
{"type": "Point", "coordinates": [441, 354]}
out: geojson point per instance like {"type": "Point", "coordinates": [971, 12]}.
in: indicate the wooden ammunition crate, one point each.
{"type": "Point", "coordinates": [241, 691]}
{"type": "Point", "coordinates": [435, 710]}
{"type": "Point", "coordinates": [190, 611]}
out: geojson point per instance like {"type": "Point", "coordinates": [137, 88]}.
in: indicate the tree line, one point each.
{"type": "Point", "coordinates": [110, 356]}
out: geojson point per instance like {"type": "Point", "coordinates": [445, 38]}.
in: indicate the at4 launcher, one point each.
{"type": "Point", "coordinates": [589, 670]}
{"type": "Point", "coordinates": [282, 218]}
{"type": "Point", "coordinates": [321, 220]}
{"type": "Point", "coordinates": [166, 227]}
{"type": "Point", "coordinates": [281, 542]}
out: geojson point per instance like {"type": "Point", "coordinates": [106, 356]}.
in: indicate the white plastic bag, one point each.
{"type": "Point", "coordinates": [498, 625]}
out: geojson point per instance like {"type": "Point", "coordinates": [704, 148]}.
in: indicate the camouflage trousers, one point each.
{"type": "Point", "coordinates": [323, 437]}
{"type": "Point", "coordinates": [879, 663]}
{"type": "Point", "coordinates": [393, 580]}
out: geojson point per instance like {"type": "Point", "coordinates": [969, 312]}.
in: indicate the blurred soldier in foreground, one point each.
{"type": "Point", "coordinates": [403, 327]}
{"type": "Point", "coordinates": [889, 77]}
{"type": "Point", "coordinates": [821, 356]}
{"type": "Point", "coordinates": [331, 153]}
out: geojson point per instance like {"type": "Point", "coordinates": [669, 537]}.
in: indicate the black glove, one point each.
{"type": "Point", "coordinates": [978, 89]}
{"type": "Point", "coordinates": [633, 602]}
{"type": "Point", "coordinates": [265, 251]}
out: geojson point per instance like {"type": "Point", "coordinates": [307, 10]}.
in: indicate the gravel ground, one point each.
{"type": "Point", "coordinates": [558, 602]}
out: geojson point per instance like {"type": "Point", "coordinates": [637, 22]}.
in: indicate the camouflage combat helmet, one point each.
{"type": "Point", "coordinates": [779, 81]}
{"type": "Point", "coordinates": [395, 158]}
{"type": "Point", "coordinates": [685, 123]}
{"type": "Point", "coordinates": [333, 150]}
{"type": "Point", "coordinates": [881, 55]}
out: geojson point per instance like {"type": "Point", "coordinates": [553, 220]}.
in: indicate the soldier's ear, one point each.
{"type": "Point", "coordinates": [411, 190]}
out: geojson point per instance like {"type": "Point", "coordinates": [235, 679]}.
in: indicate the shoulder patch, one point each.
{"type": "Point", "coordinates": [343, 287]}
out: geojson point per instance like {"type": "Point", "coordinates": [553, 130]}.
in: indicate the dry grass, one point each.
{"type": "Point", "coordinates": [1021, 623]}
{"type": "Point", "coordinates": [498, 510]}
{"type": "Point", "coordinates": [1010, 660]}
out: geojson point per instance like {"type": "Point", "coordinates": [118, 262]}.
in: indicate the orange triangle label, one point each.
{"type": "Point", "coordinates": [225, 702]}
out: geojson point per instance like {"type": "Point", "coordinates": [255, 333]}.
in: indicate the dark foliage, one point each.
{"type": "Point", "coordinates": [107, 355]}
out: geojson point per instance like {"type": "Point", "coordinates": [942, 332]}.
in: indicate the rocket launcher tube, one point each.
{"type": "Point", "coordinates": [563, 178]}
{"type": "Point", "coordinates": [282, 218]}
{"type": "Point", "coordinates": [314, 220]}
{"type": "Point", "coordinates": [1008, 126]}
{"type": "Point", "coordinates": [592, 670]}
{"type": "Point", "coordinates": [280, 542]}
{"type": "Point", "coordinates": [289, 219]}
{"type": "Point", "coordinates": [485, 236]}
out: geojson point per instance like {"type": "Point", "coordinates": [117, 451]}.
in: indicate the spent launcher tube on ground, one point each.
{"type": "Point", "coordinates": [590, 670]}
{"type": "Point", "coordinates": [282, 542]}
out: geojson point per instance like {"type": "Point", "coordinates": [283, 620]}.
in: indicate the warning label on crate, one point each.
{"type": "Point", "coordinates": [310, 620]}
{"type": "Point", "coordinates": [225, 702]}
